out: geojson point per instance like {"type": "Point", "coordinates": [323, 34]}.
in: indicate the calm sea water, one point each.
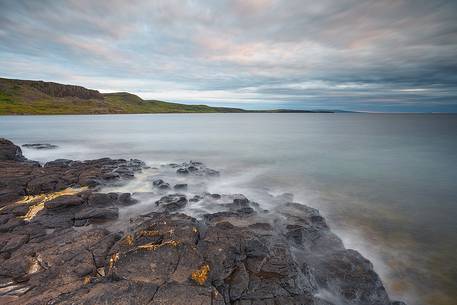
{"type": "Point", "coordinates": [387, 183]}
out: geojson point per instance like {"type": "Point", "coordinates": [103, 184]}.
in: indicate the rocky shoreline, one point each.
{"type": "Point", "coordinates": [60, 242]}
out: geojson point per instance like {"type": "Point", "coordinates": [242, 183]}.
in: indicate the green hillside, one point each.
{"type": "Point", "coordinates": [19, 97]}
{"type": "Point", "coordinates": [37, 97]}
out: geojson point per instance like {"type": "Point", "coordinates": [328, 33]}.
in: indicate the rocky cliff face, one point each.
{"type": "Point", "coordinates": [64, 242]}
{"type": "Point", "coordinates": [59, 90]}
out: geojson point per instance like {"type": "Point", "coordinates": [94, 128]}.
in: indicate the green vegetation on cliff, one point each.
{"type": "Point", "coordinates": [37, 97]}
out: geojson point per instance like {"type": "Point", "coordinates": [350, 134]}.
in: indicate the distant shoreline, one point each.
{"type": "Point", "coordinates": [28, 97]}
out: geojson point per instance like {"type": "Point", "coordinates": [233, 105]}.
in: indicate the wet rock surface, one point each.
{"type": "Point", "coordinates": [194, 168]}
{"type": "Point", "coordinates": [40, 146]}
{"type": "Point", "coordinates": [60, 243]}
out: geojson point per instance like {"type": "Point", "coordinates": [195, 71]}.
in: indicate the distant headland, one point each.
{"type": "Point", "coordinates": [22, 97]}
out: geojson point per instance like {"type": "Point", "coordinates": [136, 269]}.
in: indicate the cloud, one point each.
{"type": "Point", "coordinates": [359, 55]}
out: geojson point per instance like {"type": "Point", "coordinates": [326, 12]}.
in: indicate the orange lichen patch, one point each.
{"type": "Point", "coordinates": [128, 240]}
{"type": "Point", "coordinates": [201, 274]}
{"type": "Point", "coordinates": [38, 201]}
{"type": "Point", "coordinates": [86, 280]}
{"type": "Point", "coordinates": [113, 259]}
{"type": "Point", "coordinates": [148, 233]}
{"type": "Point", "coordinates": [152, 247]}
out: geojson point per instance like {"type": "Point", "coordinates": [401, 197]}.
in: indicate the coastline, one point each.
{"type": "Point", "coordinates": [235, 250]}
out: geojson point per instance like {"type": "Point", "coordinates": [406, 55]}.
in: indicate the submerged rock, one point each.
{"type": "Point", "coordinates": [180, 187]}
{"type": "Point", "coordinates": [40, 146]}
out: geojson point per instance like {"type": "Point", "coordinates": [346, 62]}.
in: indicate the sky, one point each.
{"type": "Point", "coordinates": [381, 55]}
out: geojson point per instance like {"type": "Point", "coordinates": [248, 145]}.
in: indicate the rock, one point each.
{"type": "Point", "coordinates": [236, 254]}
{"type": "Point", "coordinates": [180, 187]}
{"type": "Point", "coordinates": [60, 163]}
{"type": "Point", "coordinates": [216, 196]}
{"type": "Point", "coordinates": [10, 242]}
{"type": "Point", "coordinates": [195, 168]}
{"type": "Point", "coordinates": [351, 277]}
{"type": "Point", "coordinates": [125, 199]}
{"type": "Point", "coordinates": [96, 215]}
{"type": "Point", "coordinates": [60, 90]}
{"type": "Point", "coordinates": [172, 202]}
{"type": "Point", "coordinates": [160, 184]}
{"type": "Point", "coordinates": [102, 199]}
{"type": "Point", "coordinates": [40, 146]}
{"type": "Point", "coordinates": [10, 152]}
{"type": "Point", "coordinates": [64, 201]}
{"type": "Point", "coordinates": [182, 171]}
{"type": "Point", "coordinates": [196, 198]}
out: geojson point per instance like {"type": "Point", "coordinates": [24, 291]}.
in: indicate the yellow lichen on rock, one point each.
{"type": "Point", "coordinates": [33, 211]}
{"type": "Point", "coordinates": [152, 247]}
{"type": "Point", "coordinates": [128, 240]}
{"type": "Point", "coordinates": [86, 280]}
{"type": "Point", "coordinates": [113, 259]}
{"type": "Point", "coordinates": [40, 200]}
{"type": "Point", "coordinates": [149, 233]}
{"type": "Point", "coordinates": [201, 274]}
{"type": "Point", "coordinates": [149, 247]}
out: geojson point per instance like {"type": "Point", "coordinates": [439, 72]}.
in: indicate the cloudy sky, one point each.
{"type": "Point", "coordinates": [380, 55]}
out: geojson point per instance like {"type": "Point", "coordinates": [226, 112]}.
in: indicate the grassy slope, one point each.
{"type": "Point", "coordinates": [17, 97]}
{"type": "Point", "coordinates": [33, 97]}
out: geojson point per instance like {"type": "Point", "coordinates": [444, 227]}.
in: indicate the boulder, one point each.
{"type": "Point", "coordinates": [194, 168]}
{"type": "Point", "coordinates": [9, 151]}
{"type": "Point", "coordinates": [172, 202]}
{"type": "Point", "coordinates": [160, 184]}
{"type": "Point", "coordinates": [64, 201]}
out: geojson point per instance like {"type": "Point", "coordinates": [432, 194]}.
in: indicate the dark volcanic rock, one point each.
{"type": "Point", "coordinates": [194, 168]}
{"type": "Point", "coordinates": [160, 184]}
{"type": "Point", "coordinates": [10, 152]}
{"type": "Point", "coordinates": [40, 146]}
{"type": "Point", "coordinates": [239, 255]}
{"type": "Point", "coordinates": [172, 202]}
{"type": "Point", "coordinates": [64, 201]}
{"type": "Point", "coordinates": [96, 215]}
{"type": "Point", "coordinates": [19, 176]}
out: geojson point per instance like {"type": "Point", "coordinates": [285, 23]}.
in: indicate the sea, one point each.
{"type": "Point", "coordinates": [386, 183]}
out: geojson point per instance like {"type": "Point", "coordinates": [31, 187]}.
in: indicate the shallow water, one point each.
{"type": "Point", "coordinates": [387, 183]}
